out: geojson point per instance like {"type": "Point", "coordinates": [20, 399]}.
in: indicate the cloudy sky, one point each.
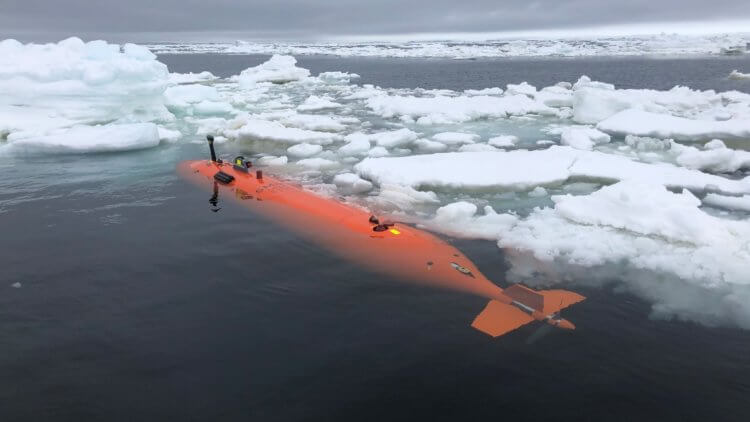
{"type": "Point", "coordinates": [141, 20]}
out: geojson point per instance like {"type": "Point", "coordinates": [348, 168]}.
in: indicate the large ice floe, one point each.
{"type": "Point", "coordinates": [578, 182]}
{"type": "Point", "coordinates": [47, 92]}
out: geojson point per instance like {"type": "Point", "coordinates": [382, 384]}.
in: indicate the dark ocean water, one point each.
{"type": "Point", "coordinates": [139, 303]}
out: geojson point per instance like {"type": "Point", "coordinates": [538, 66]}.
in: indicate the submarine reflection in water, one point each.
{"type": "Point", "coordinates": [391, 248]}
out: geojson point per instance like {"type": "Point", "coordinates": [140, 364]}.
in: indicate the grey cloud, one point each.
{"type": "Point", "coordinates": [138, 19]}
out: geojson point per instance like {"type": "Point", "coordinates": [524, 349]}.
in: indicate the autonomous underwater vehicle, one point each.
{"type": "Point", "coordinates": [391, 248]}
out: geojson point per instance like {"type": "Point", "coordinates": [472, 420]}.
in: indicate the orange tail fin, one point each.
{"type": "Point", "coordinates": [498, 318]}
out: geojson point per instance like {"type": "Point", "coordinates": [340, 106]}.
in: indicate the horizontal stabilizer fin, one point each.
{"type": "Point", "coordinates": [498, 318]}
{"type": "Point", "coordinates": [555, 300]}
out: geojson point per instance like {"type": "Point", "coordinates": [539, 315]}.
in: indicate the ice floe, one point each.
{"type": "Point", "coordinates": [658, 125]}
{"type": "Point", "coordinates": [106, 138]}
{"type": "Point", "coordinates": [253, 129]}
{"type": "Point", "coordinates": [46, 87]}
{"type": "Point", "coordinates": [737, 75]}
{"type": "Point", "coordinates": [442, 109]}
{"type": "Point", "coordinates": [737, 203]}
{"type": "Point", "coordinates": [278, 69]}
{"type": "Point", "coordinates": [191, 78]}
{"type": "Point", "coordinates": [315, 103]}
{"type": "Point", "coordinates": [583, 137]}
{"type": "Point", "coordinates": [304, 150]}
{"type": "Point", "coordinates": [351, 183]}
{"type": "Point", "coordinates": [523, 170]}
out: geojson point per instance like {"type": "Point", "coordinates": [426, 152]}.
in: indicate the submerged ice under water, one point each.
{"type": "Point", "coordinates": [649, 187]}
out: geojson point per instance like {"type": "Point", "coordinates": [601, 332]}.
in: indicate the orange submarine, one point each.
{"type": "Point", "coordinates": [385, 247]}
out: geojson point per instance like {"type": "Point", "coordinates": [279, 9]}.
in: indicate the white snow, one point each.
{"type": "Point", "coordinates": [583, 137]}
{"type": "Point", "coordinates": [477, 148]}
{"type": "Point", "coordinates": [351, 183]}
{"type": "Point", "coordinates": [737, 203]}
{"type": "Point", "coordinates": [443, 109]}
{"type": "Point", "coordinates": [278, 69]}
{"type": "Point", "coordinates": [521, 89]}
{"type": "Point", "coordinates": [304, 150]}
{"type": "Point", "coordinates": [426, 145]}
{"type": "Point", "coordinates": [356, 146]}
{"type": "Point", "coordinates": [643, 223]}
{"type": "Point", "coordinates": [716, 158]}
{"type": "Point", "coordinates": [503, 141]}
{"type": "Point", "coordinates": [485, 91]}
{"type": "Point", "coordinates": [185, 95]}
{"type": "Point", "coordinates": [644, 123]}
{"type": "Point", "coordinates": [44, 87]}
{"type": "Point", "coordinates": [271, 160]}
{"type": "Point", "coordinates": [169, 135]}
{"type": "Point", "coordinates": [251, 129]}
{"type": "Point", "coordinates": [86, 139]}
{"type": "Point", "coordinates": [190, 78]}
{"type": "Point", "coordinates": [522, 170]}
{"type": "Point", "coordinates": [318, 163]}
{"type": "Point", "coordinates": [402, 197]}
{"type": "Point", "coordinates": [459, 219]}
{"type": "Point", "coordinates": [737, 75]}
{"type": "Point", "coordinates": [314, 122]}
{"type": "Point", "coordinates": [315, 103]}
{"type": "Point", "coordinates": [388, 139]}
{"type": "Point", "coordinates": [377, 152]}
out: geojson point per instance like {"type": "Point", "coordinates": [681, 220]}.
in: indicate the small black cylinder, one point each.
{"type": "Point", "coordinates": [210, 139]}
{"type": "Point", "coordinates": [259, 174]}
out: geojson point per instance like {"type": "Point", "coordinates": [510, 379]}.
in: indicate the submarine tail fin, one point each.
{"type": "Point", "coordinates": [556, 300]}
{"type": "Point", "coordinates": [498, 318]}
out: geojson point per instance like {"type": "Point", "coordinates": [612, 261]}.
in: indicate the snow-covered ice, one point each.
{"type": "Point", "coordinates": [106, 138]}
{"type": "Point", "coordinates": [737, 75]}
{"type": "Point", "coordinates": [737, 203]}
{"type": "Point", "coordinates": [47, 87]}
{"type": "Point", "coordinates": [278, 69]}
{"type": "Point", "coordinates": [658, 125]}
{"type": "Point", "coordinates": [351, 183]}
{"type": "Point", "coordinates": [304, 150]}
{"type": "Point", "coordinates": [521, 170]}
{"type": "Point", "coordinates": [583, 137]}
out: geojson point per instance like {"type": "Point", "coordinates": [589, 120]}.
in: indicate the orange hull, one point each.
{"type": "Point", "coordinates": [398, 250]}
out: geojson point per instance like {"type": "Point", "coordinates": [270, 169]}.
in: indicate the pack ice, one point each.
{"type": "Point", "coordinates": [643, 187]}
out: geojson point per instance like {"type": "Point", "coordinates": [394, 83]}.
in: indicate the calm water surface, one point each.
{"type": "Point", "coordinates": [139, 303]}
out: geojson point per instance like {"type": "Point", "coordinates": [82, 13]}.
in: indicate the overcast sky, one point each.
{"type": "Point", "coordinates": [154, 20]}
